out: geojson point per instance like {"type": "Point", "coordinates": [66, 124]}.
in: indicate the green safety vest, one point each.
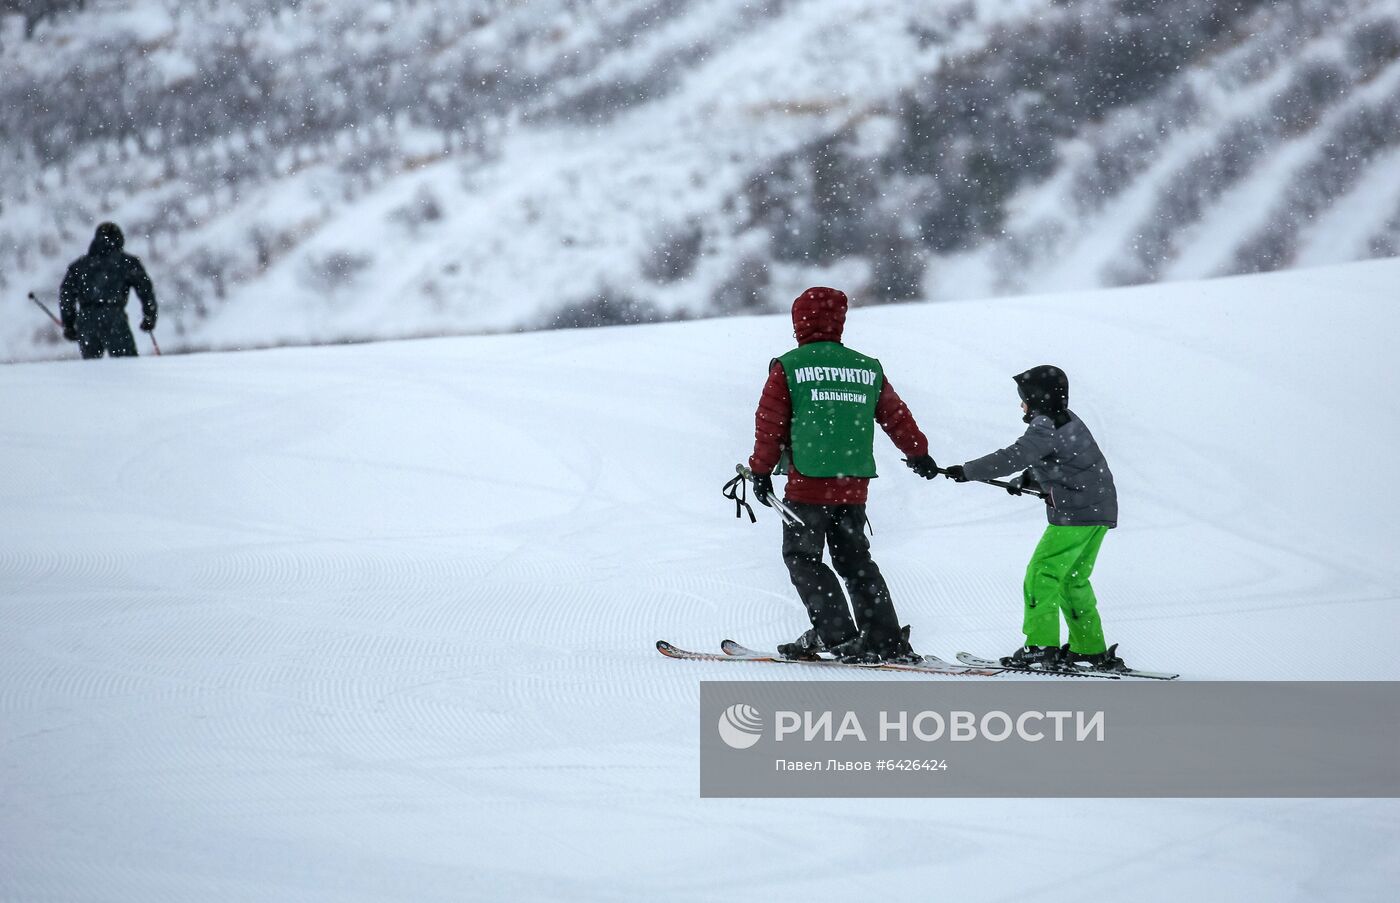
{"type": "Point", "coordinates": [834, 393]}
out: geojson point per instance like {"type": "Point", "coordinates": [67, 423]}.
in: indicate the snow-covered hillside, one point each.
{"type": "Point", "coordinates": [375, 623]}
{"type": "Point", "coordinates": [321, 172]}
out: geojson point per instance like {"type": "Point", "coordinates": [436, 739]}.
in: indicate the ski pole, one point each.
{"type": "Point", "coordinates": [154, 343]}
{"type": "Point", "coordinates": [56, 321]}
{"type": "Point", "coordinates": [787, 514]}
{"type": "Point", "coordinates": [1002, 484]}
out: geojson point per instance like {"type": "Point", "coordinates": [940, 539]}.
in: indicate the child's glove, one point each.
{"type": "Point", "coordinates": [955, 473]}
{"type": "Point", "coordinates": [923, 465]}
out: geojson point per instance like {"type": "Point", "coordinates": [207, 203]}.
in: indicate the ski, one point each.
{"type": "Point", "coordinates": [974, 661]}
{"type": "Point", "coordinates": [978, 662]}
{"type": "Point", "coordinates": [734, 652]}
{"type": "Point", "coordinates": [968, 665]}
{"type": "Point", "coordinates": [931, 664]}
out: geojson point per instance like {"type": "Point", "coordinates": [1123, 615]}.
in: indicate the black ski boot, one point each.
{"type": "Point", "coordinates": [868, 649]}
{"type": "Point", "coordinates": [1042, 658]}
{"type": "Point", "coordinates": [903, 653]}
{"type": "Point", "coordinates": [806, 648]}
{"type": "Point", "coordinates": [1099, 661]}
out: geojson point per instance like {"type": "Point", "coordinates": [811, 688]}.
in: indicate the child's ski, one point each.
{"type": "Point", "coordinates": [978, 662]}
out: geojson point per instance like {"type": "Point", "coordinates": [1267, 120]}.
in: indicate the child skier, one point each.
{"type": "Point", "coordinates": [820, 404]}
{"type": "Point", "coordinates": [1058, 455]}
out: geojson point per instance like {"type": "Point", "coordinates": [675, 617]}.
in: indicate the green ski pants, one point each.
{"type": "Point", "coordinates": [1057, 579]}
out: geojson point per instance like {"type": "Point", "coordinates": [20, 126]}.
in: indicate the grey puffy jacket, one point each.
{"type": "Point", "coordinates": [1067, 463]}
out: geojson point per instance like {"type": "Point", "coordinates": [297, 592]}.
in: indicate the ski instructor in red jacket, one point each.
{"type": "Point", "coordinates": [816, 422]}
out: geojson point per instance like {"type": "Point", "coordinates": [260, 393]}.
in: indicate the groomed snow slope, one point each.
{"type": "Point", "coordinates": [325, 624]}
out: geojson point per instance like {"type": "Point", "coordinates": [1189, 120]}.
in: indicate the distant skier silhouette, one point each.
{"type": "Point", "coordinates": [92, 300]}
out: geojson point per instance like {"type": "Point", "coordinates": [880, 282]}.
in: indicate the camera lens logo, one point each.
{"type": "Point", "coordinates": [740, 726]}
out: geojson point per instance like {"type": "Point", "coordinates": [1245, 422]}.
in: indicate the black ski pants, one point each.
{"type": "Point", "coordinates": [841, 529]}
{"type": "Point", "coordinates": [104, 328]}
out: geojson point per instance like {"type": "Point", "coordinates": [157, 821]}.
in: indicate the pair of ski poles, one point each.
{"type": "Point", "coordinates": [732, 491]}
{"type": "Point", "coordinates": [59, 323]}
{"type": "Point", "coordinates": [746, 476]}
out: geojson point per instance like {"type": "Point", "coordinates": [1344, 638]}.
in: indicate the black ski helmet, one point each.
{"type": "Point", "coordinates": [107, 239]}
{"type": "Point", "coordinates": [1044, 389]}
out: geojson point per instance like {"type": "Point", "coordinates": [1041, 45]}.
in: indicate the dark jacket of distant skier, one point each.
{"type": "Point", "coordinates": [1060, 453]}
{"type": "Point", "coordinates": [92, 300]}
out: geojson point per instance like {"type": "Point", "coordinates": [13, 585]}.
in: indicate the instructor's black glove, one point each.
{"type": "Point", "coordinates": [763, 488]}
{"type": "Point", "coordinates": [148, 324]}
{"type": "Point", "coordinates": [955, 473]}
{"type": "Point", "coordinates": [70, 333]}
{"type": "Point", "coordinates": [923, 465]}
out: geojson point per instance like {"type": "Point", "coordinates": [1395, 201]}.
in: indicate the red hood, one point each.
{"type": "Point", "coordinates": [819, 315]}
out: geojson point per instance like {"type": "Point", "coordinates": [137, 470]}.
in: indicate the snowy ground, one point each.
{"type": "Point", "coordinates": [322, 624]}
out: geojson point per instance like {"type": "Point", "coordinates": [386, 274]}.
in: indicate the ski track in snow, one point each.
{"type": "Point", "coordinates": [380, 619]}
